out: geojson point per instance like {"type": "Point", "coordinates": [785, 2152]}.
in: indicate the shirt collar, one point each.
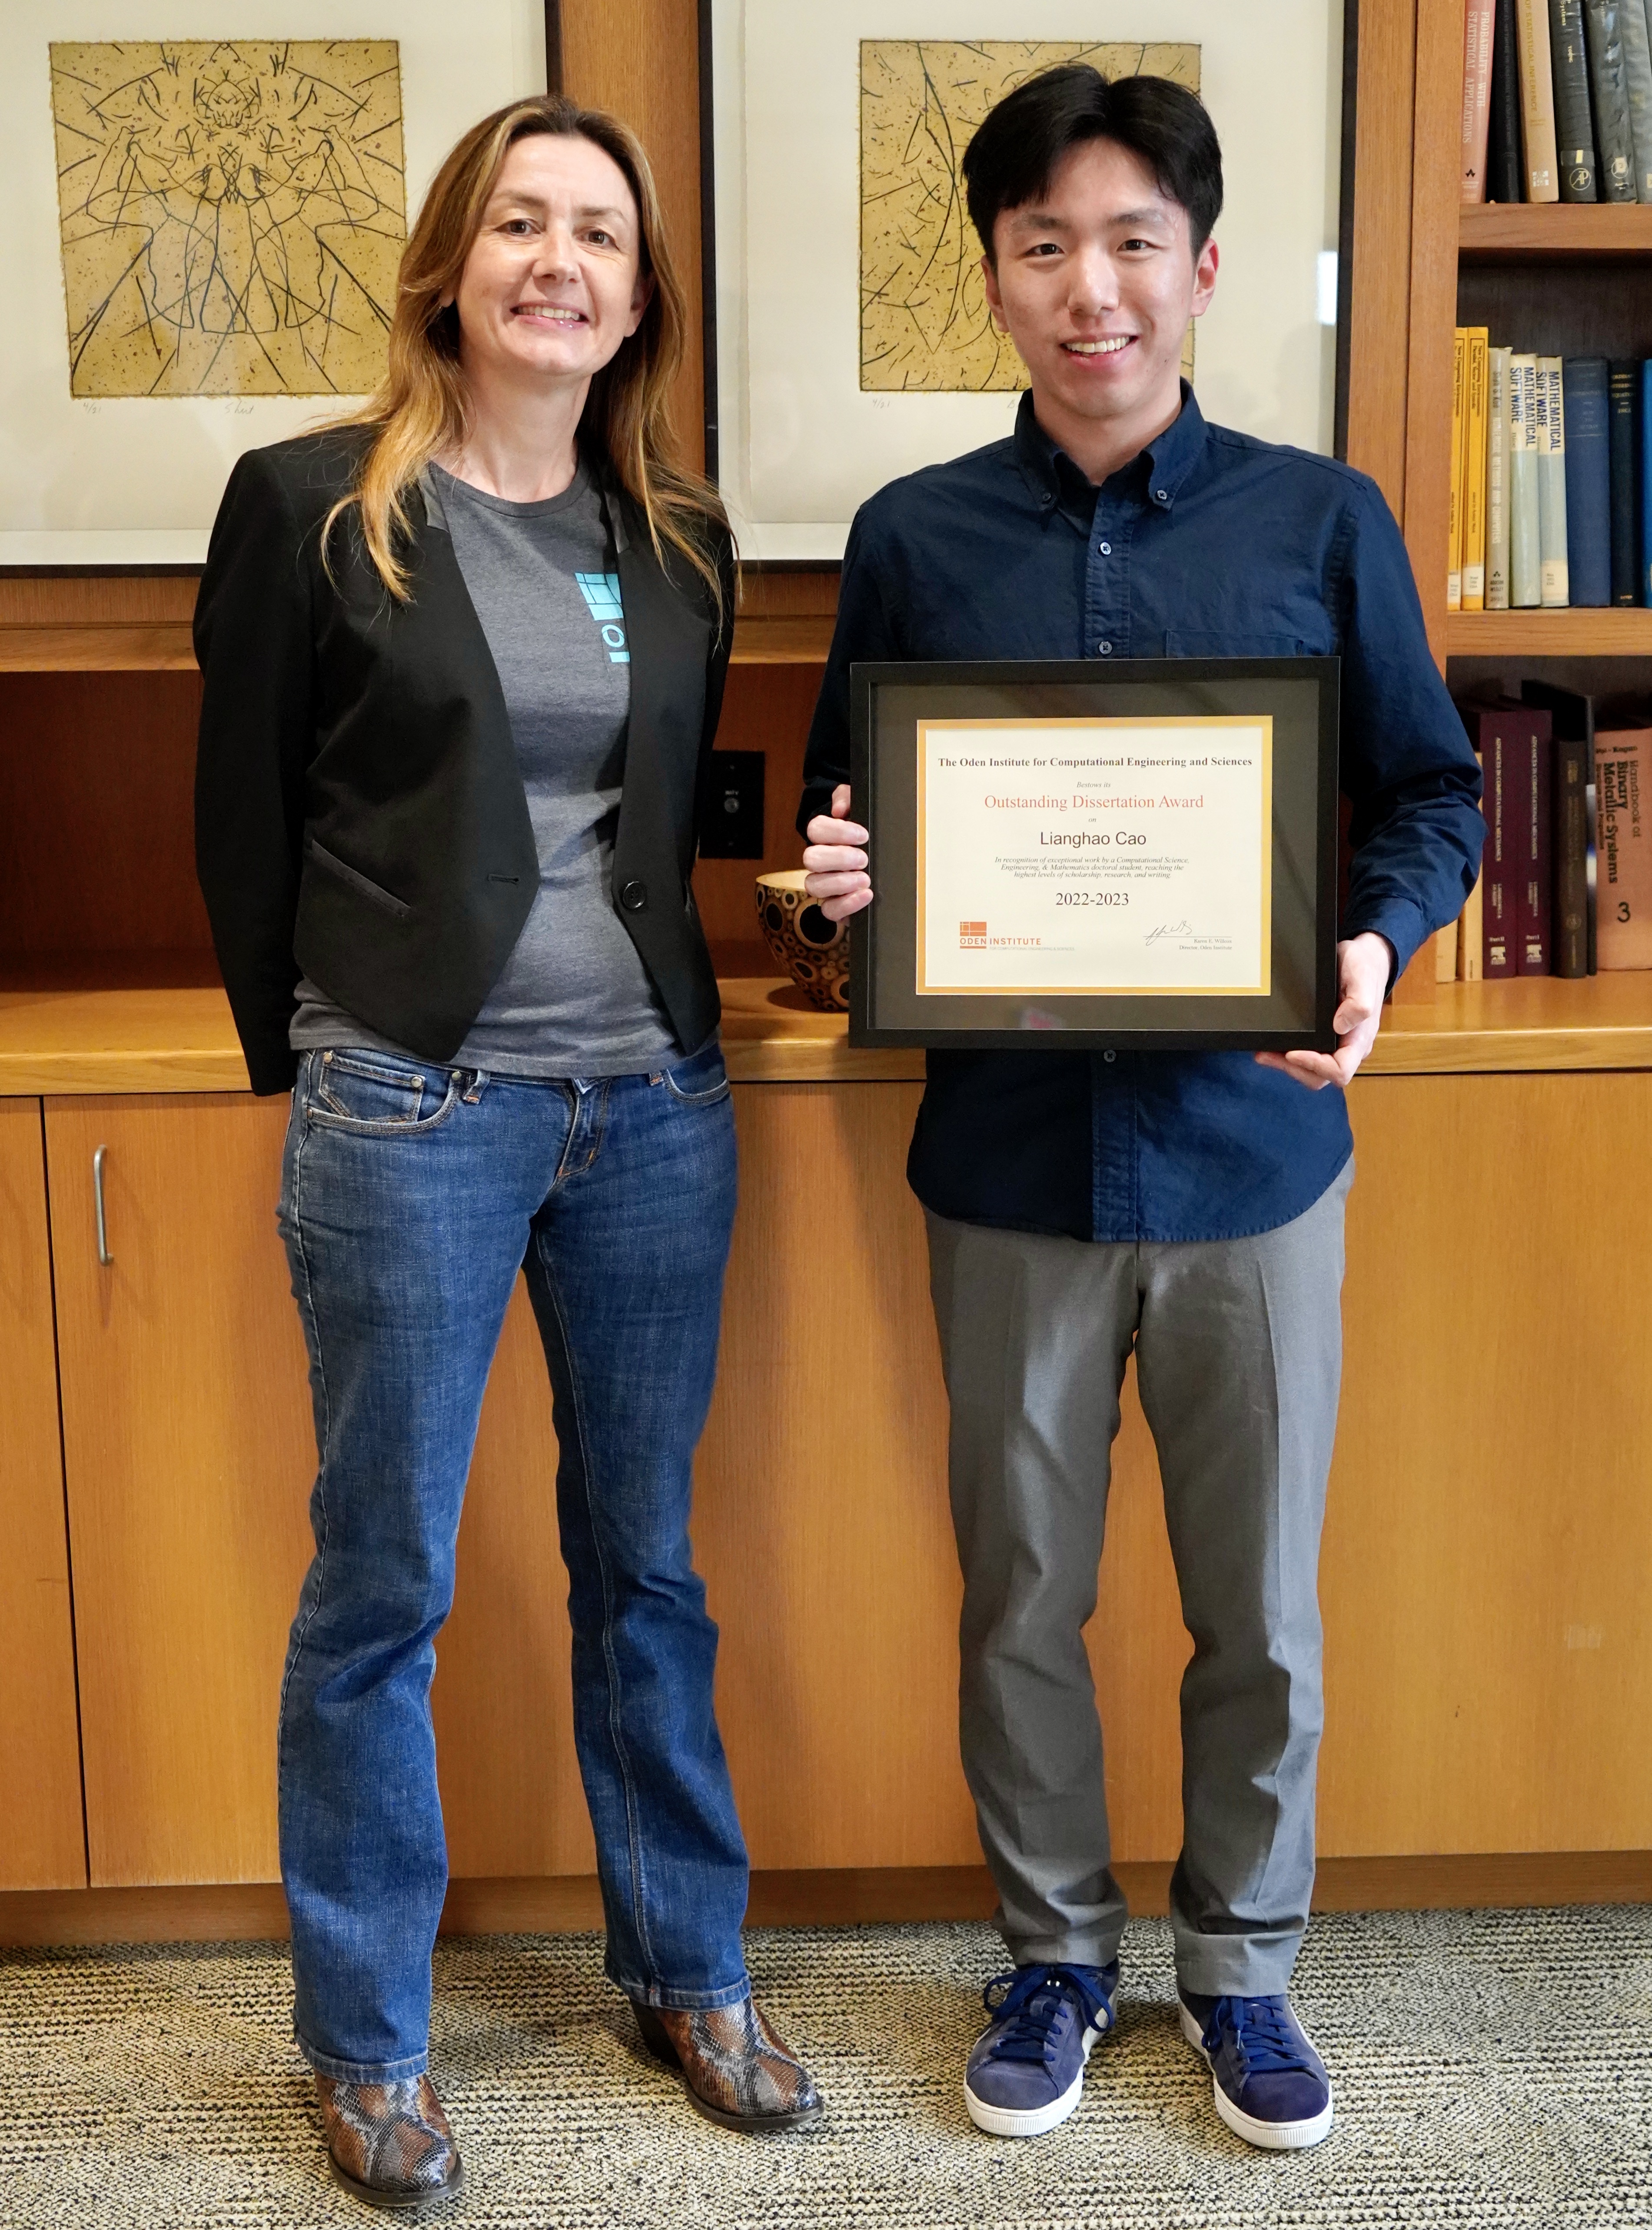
{"type": "Point", "coordinates": [1055, 478]}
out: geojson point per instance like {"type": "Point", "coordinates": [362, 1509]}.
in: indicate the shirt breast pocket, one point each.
{"type": "Point", "coordinates": [1195, 642]}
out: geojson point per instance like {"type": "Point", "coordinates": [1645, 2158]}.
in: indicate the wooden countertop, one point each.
{"type": "Point", "coordinates": [180, 1038]}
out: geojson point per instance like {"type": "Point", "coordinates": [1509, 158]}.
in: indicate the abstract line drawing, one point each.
{"type": "Point", "coordinates": [233, 213]}
{"type": "Point", "coordinates": [924, 324]}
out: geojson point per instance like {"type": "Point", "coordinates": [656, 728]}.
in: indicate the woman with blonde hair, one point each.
{"type": "Point", "coordinates": [464, 656]}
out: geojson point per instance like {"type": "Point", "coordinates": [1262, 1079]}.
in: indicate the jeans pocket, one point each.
{"type": "Point", "coordinates": [376, 1094]}
{"type": "Point", "coordinates": [701, 1081]}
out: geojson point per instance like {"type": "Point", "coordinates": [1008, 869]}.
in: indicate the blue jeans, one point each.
{"type": "Point", "coordinates": [412, 1194]}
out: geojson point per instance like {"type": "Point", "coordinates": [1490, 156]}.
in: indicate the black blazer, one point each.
{"type": "Point", "coordinates": [360, 816]}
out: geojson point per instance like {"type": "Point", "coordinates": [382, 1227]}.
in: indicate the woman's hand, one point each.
{"type": "Point", "coordinates": [837, 881]}
{"type": "Point", "coordinates": [1364, 965]}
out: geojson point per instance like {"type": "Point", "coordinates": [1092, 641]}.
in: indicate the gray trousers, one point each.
{"type": "Point", "coordinates": [1238, 1349]}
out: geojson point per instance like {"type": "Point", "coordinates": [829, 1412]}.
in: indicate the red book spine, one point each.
{"type": "Point", "coordinates": [1499, 870]}
{"type": "Point", "coordinates": [1478, 29]}
{"type": "Point", "coordinates": [1535, 910]}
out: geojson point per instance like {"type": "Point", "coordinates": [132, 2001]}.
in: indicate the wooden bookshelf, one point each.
{"type": "Point", "coordinates": [1605, 232]}
{"type": "Point", "coordinates": [1571, 633]}
{"type": "Point", "coordinates": [137, 623]}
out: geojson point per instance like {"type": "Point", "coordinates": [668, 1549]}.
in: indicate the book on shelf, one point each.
{"type": "Point", "coordinates": [1459, 460]}
{"type": "Point", "coordinates": [1473, 471]}
{"type": "Point", "coordinates": [1497, 364]}
{"type": "Point", "coordinates": [1532, 776]}
{"type": "Point", "coordinates": [1623, 405]}
{"type": "Point", "coordinates": [1479, 27]}
{"type": "Point", "coordinates": [1494, 732]}
{"type": "Point", "coordinates": [1637, 83]}
{"type": "Point", "coordinates": [1622, 804]}
{"type": "Point", "coordinates": [1505, 163]}
{"type": "Point", "coordinates": [1646, 484]}
{"type": "Point", "coordinates": [1571, 716]}
{"type": "Point", "coordinates": [1525, 568]}
{"type": "Point", "coordinates": [1589, 481]}
{"type": "Point", "coordinates": [1573, 126]}
{"type": "Point", "coordinates": [1557, 101]}
{"type": "Point", "coordinates": [1614, 147]}
{"type": "Point", "coordinates": [1552, 482]}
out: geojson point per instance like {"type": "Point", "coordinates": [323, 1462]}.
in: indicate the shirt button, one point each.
{"type": "Point", "coordinates": [1106, 549]}
{"type": "Point", "coordinates": [1105, 649]}
{"type": "Point", "coordinates": [1109, 1054]}
{"type": "Point", "coordinates": [634, 897]}
{"type": "Point", "coordinates": [1160, 495]}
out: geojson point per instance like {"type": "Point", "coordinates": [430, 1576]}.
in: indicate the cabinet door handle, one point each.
{"type": "Point", "coordinates": [104, 1256]}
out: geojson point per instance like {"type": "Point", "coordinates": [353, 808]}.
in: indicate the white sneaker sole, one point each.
{"type": "Point", "coordinates": [1269, 2137]}
{"type": "Point", "coordinates": [1004, 2122]}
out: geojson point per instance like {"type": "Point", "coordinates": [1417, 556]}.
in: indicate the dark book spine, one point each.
{"type": "Point", "coordinates": [1646, 483]}
{"type": "Point", "coordinates": [1589, 480]}
{"type": "Point", "coordinates": [1505, 161]}
{"type": "Point", "coordinates": [1499, 870]}
{"type": "Point", "coordinates": [1614, 143]}
{"type": "Point", "coordinates": [1534, 905]}
{"type": "Point", "coordinates": [1571, 836]}
{"type": "Point", "coordinates": [1574, 128]}
{"type": "Point", "coordinates": [1591, 856]}
{"type": "Point", "coordinates": [1624, 415]}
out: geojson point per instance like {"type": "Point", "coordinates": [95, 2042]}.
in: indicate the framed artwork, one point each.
{"type": "Point", "coordinates": [1139, 855]}
{"type": "Point", "coordinates": [207, 205]}
{"type": "Point", "coordinates": [851, 341]}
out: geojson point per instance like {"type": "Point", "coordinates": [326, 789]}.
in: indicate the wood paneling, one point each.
{"type": "Point", "coordinates": [641, 59]}
{"type": "Point", "coordinates": [97, 829]}
{"type": "Point", "coordinates": [850, 1897]}
{"type": "Point", "coordinates": [768, 709]}
{"type": "Point", "coordinates": [1382, 246]}
{"type": "Point", "coordinates": [822, 1523]}
{"type": "Point", "coordinates": [1566, 307]}
{"type": "Point", "coordinates": [1527, 634]}
{"type": "Point", "coordinates": [43, 1845]}
{"type": "Point", "coordinates": [1603, 231]}
{"type": "Point", "coordinates": [1487, 1572]}
{"type": "Point", "coordinates": [1436, 189]}
{"type": "Point", "coordinates": [188, 1448]}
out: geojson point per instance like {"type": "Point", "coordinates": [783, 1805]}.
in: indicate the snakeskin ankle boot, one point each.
{"type": "Point", "coordinates": [735, 2068]}
{"type": "Point", "coordinates": [389, 2143]}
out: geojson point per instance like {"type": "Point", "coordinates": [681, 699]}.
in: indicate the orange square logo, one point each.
{"type": "Point", "coordinates": [972, 932]}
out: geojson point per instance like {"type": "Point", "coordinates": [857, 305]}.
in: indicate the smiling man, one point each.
{"type": "Point", "coordinates": [1187, 1206]}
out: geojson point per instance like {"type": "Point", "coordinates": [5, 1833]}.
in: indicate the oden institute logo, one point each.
{"type": "Point", "coordinates": [972, 933]}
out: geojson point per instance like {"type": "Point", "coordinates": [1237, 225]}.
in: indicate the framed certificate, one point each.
{"type": "Point", "coordinates": [1140, 856]}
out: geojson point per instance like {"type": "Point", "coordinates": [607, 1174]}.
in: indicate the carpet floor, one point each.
{"type": "Point", "coordinates": [1492, 2068]}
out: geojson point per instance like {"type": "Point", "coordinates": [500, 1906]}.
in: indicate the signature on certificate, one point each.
{"type": "Point", "coordinates": [1168, 929]}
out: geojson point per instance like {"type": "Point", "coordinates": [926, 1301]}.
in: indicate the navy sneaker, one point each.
{"type": "Point", "coordinates": [1027, 2068]}
{"type": "Point", "coordinates": [1269, 2084]}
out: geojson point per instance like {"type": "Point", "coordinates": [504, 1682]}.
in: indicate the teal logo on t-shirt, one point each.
{"type": "Point", "coordinates": [601, 594]}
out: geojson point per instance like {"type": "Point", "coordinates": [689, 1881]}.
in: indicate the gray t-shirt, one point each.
{"type": "Point", "coordinates": [574, 999]}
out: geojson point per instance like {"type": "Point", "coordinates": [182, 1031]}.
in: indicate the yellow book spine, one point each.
{"type": "Point", "coordinates": [1445, 954]}
{"type": "Point", "coordinates": [1473, 471]}
{"type": "Point", "coordinates": [1454, 545]}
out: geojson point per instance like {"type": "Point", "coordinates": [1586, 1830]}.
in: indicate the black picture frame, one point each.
{"type": "Point", "coordinates": [1303, 697]}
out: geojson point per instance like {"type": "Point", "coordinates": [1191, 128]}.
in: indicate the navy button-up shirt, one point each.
{"type": "Point", "coordinates": [1209, 545]}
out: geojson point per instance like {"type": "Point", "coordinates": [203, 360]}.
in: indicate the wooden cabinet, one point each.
{"type": "Point", "coordinates": [1487, 1569]}
{"type": "Point", "coordinates": [188, 1452]}
{"type": "Point", "coordinates": [43, 1845]}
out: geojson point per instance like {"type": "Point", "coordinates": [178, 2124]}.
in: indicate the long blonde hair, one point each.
{"type": "Point", "coordinates": [423, 409]}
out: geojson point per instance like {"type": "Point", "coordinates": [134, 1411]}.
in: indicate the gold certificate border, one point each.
{"type": "Point", "coordinates": [1112, 722]}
